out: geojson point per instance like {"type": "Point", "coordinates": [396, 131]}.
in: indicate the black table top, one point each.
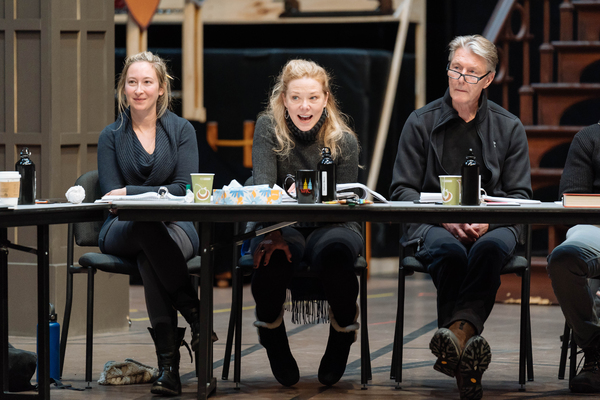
{"type": "Point", "coordinates": [394, 212]}
{"type": "Point", "coordinates": [47, 214]}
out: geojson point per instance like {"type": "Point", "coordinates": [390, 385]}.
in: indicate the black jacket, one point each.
{"type": "Point", "coordinates": [418, 164]}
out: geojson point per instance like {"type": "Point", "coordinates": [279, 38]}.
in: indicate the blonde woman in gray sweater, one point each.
{"type": "Point", "coordinates": [302, 117]}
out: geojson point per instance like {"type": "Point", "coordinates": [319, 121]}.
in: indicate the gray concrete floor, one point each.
{"type": "Point", "coordinates": [420, 381]}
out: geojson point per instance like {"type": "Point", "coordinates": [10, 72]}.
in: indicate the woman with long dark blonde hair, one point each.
{"type": "Point", "coordinates": [146, 148]}
{"type": "Point", "coordinates": [302, 117]}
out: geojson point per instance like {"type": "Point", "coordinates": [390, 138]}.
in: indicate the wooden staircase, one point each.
{"type": "Point", "coordinates": [544, 104]}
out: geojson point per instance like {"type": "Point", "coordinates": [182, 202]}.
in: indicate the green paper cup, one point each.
{"type": "Point", "coordinates": [202, 187]}
{"type": "Point", "coordinates": [450, 187]}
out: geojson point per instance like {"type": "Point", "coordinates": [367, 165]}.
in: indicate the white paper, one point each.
{"type": "Point", "coordinates": [148, 196]}
{"type": "Point", "coordinates": [437, 197]}
{"type": "Point", "coordinates": [363, 190]}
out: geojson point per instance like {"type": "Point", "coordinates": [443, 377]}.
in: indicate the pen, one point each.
{"type": "Point", "coordinates": [349, 202]}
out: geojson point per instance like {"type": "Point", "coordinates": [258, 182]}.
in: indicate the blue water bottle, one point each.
{"type": "Point", "coordinates": [54, 349]}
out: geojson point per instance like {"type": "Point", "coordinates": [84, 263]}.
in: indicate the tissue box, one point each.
{"type": "Point", "coordinates": [247, 195]}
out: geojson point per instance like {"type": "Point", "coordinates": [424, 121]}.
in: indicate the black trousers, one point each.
{"type": "Point", "coordinates": [330, 250]}
{"type": "Point", "coordinates": [466, 277]}
{"type": "Point", "coordinates": [161, 250]}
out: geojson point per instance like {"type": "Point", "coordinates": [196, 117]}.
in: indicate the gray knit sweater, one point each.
{"type": "Point", "coordinates": [582, 168]}
{"type": "Point", "coordinates": [269, 168]}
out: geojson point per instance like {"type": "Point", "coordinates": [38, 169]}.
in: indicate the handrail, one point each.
{"type": "Point", "coordinates": [499, 31]}
{"type": "Point", "coordinates": [498, 20]}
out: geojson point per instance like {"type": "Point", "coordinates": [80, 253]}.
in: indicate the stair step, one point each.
{"type": "Point", "coordinates": [573, 57]}
{"type": "Point", "coordinates": [588, 15]}
{"type": "Point", "coordinates": [555, 98]}
{"type": "Point", "coordinates": [550, 172]}
{"type": "Point", "coordinates": [544, 177]}
{"type": "Point", "coordinates": [552, 130]}
{"type": "Point", "coordinates": [543, 138]}
{"type": "Point", "coordinates": [538, 262]}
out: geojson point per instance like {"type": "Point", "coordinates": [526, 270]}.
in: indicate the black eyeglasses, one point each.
{"type": "Point", "coordinates": [472, 79]}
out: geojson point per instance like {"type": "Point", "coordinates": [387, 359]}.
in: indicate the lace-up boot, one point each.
{"type": "Point", "coordinates": [588, 379]}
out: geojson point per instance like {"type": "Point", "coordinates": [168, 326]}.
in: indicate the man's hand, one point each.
{"type": "Point", "coordinates": [466, 233]}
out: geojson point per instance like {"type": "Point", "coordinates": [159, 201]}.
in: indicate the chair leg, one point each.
{"type": "Point", "coordinates": [89, 338]}
{"type": "Point", "coordinates": [237, 364]}
{"type": "Point", "coordinates": [564, 349]}
{"type": "Point", "coordinates": [66, 320]}
{"type": "Point", "coordinates": [573, 363]}
{"type": "Point", "coordinates": [396, 370]}
{"type": "Point", "coordinates": [231, 328]}
{"type": "Point", "coordinates": [365, 353]}
{"type": "Point", "coordinates": [529, 349]}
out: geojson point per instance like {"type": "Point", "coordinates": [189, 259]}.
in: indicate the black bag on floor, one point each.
{"type": "Point", "coordinates": [21, 367]}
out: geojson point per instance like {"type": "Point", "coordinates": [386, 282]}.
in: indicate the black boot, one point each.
{"type": "Point", "coordinates": [333, 363]}
{"type": "Point", "coordinates": [588, 379]}
{"type": "Point", "coordinates": [192, 316]}
{"type": "Point", "coordinates": [274, 339]}
{"type": "Point", "coordinates": [167, 341]}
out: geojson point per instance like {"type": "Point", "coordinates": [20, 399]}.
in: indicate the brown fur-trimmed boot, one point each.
{"type": "Point", "coordinates": [333, 363]}
{"type": "Point", "coordinates": [274, 339]}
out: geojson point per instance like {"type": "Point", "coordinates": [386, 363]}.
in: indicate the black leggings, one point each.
{"type": "Point", "coordinates": [161, 250]}
{"type": "Point", "coordinates": [331, 251]}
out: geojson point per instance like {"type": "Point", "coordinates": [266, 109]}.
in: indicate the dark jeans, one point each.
{"type": "Point", "coordinates": [331, 251]}
{"type": "Point", "coordinates": [466, 277]}
{"type": "Point", "coordinates": [569, 267]}
{"type": "Point", "coordinates": [161, 250]}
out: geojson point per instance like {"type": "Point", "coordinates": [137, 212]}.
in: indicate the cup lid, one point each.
{"type": "Point", "coordinates": [10, 175]}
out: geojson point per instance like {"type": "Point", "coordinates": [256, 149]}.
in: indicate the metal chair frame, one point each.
{"type": "Point", "coordinates": [408, 265]}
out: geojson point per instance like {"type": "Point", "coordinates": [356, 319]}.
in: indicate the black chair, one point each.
{"type": "Point", "coordinates": [518, 265]}
{"type": "Point", "coordinates": [86, 234]}
{"type": "Point", "coordinates": [244, 268]}
{"type": "Point", "coordinates": [569, 342]}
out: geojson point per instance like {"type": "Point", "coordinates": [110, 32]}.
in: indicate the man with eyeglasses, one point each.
{"type": "Point", "coordinates": [464, 260]}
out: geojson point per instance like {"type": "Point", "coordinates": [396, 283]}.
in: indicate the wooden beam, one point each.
{"type": "Point", "coordinates": [390, 95]}
{"type": "Point", "coordinates": [137, 40]}
{"type": "Point", "coordinates": [193, 63]}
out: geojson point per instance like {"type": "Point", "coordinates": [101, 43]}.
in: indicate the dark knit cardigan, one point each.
{"type": "Point", "coordinates": [270, 168]}
{"type": "Point", "coordinates": [175, 158]}
{"type": "Point", "coordinates": [582, 169]}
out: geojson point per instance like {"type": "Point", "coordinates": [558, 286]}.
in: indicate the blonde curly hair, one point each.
{"type": "Point", "coordinates": [334, 127]}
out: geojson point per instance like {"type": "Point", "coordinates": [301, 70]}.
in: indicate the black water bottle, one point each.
{"type": "Point", "coordinates": [27, 170]}
{"type": "Point", "coordinates": [327, 180]}
{"type": "Point", "coordinates": [470, 181]}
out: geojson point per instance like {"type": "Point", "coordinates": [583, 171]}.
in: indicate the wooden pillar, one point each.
{"type": "Point", "coordinates": [566, 20]}
{"type": "Point", "coordinates": [137, 39]}
{"type": "Point", "coordinates": [56, 95]}
{"type": "Point", "coordinates": [193, 62]}
{"type": "Point", "coordinates": [546, 49]}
